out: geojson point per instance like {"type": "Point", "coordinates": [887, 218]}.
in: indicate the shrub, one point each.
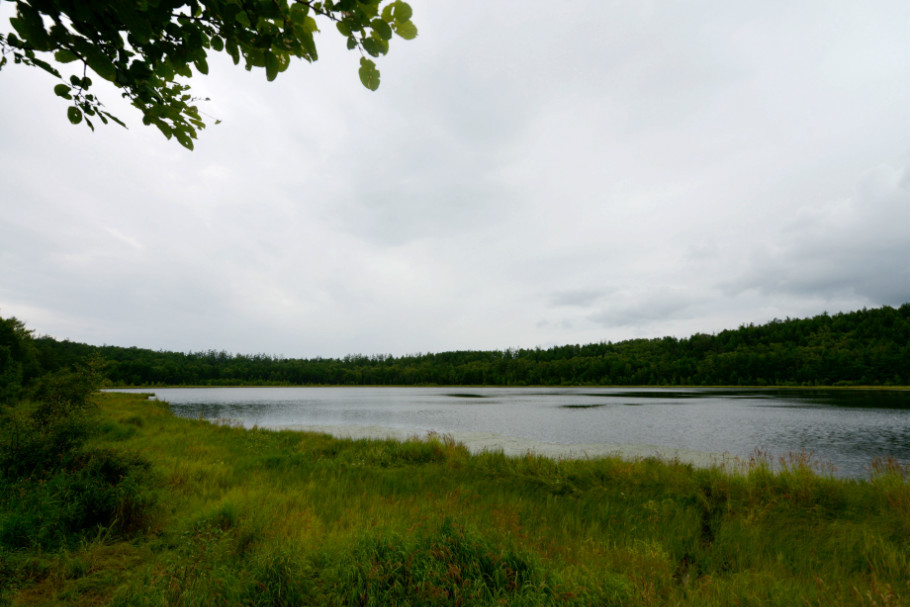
{"type": "Point", "coordinates": [92, 492]}
{"type": "Point", "coordinates": [451, 566]}
{"type": "Point", "coordinates": [53, 491]}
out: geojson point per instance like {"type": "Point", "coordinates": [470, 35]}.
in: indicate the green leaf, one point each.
{"type": "Point", "coordinates": [201, 65]}
{"type": "Point", "coordinates": [233, 51]}
{"type": "Point", "coordinates": [30, 26]}
{"type": "Point", "coordinates": [74, 114]}
{"type": "Point", "coordinates": [65, 56]}
{"type": "Point", "coordinates": [374, 46]}
{"type": "Point", "coordinates": [402, 11]}
{"type": "Point", "coordinates": [271, 66]}
{"type": "Point", "coordinates": [343, 28]}
{"type": "Point", "coordinates": [166, 130]}
{"type": "Point", "coordinates": [369, 75]}
{"type": "Point", "coordinates": [406, 30]}
{"type": "Point", "coordinates": [19, 25]}
{"type": "Point", "coordinates": [136, 21]}
{"type": "Point", "coordinates": [101, 64]}
{"type": "Point", "coordinates": [382, 28]}
{"type": "Point", "coordinates": [62, 90]}
{"type": "Point", "coordinates": [45, 66]}
{"type": "Point", "coordinates": [217, 43]}
{"type": "Point", "coordinates": [115, 119]}
{"type": "Point", "coordinates": [184, 139]}
{"type": "Point", "coordinates": [299, 12]}
{"type": "Point", "coordinates": [243, 19]}
{"type": "Point", "coordinates": [310, 45]}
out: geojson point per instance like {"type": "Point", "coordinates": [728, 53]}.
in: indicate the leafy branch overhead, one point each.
{"type": "Point", "coordinates": [144, 47]}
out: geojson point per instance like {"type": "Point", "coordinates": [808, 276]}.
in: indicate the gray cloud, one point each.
{"type": "Point", "coordinates": [647, 307]}
{"type": "Point", "coordinates": [534, 177]}
{"type": "Point", "coordinates": [583, 298]}
{"type": "Point", "coordinates": [855, 246]}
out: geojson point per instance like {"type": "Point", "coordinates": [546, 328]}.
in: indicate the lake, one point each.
{"type": "Point", "coordinates": [844, 428]}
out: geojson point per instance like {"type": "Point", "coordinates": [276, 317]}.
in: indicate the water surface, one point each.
{"type": "Point", "coordinates": [845, 428]}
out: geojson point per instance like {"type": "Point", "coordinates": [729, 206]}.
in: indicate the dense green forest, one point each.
{"type": "Point", "coordinates": [867, 347]}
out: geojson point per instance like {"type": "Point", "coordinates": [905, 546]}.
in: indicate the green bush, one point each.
{"type": "Point", "coordinates": [450, 566]}
{"type": "Point", "coordinates": [18, 359]}
{"type": "Point", "coordinates": [55, 492]}
{"type": "Point", "coordinates": [92, 492]}
{"type": "Point", "coordinates": [30, 450]}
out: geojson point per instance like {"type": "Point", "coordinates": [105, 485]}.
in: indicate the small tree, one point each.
{"type": "Point", "coordinates": [18, 359]}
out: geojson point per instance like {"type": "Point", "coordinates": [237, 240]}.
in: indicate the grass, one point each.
{"type": "Point", "coordinates": [254, 517]}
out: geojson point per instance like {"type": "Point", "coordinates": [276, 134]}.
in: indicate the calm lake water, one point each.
{"type": "Point", "coordinates": [845, 428]}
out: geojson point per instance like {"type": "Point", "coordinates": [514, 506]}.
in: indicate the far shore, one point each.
{"type": "Point", "coordinates": [114, 388]}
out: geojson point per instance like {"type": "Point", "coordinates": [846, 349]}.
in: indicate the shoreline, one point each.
{"type": "Point", "coordinates": [767, 388]}
{"type": "Point", "coordinates": [481, 442]}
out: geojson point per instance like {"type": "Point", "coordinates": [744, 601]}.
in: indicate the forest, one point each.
{"type": "Point", "coordinates": [868, 347]}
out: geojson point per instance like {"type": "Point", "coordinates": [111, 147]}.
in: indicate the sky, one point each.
{"type": "Point", "coordinates": [523, 178]}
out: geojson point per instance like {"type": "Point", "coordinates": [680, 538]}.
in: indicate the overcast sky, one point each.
{"type": "Point", "coordinates": [523, 177]}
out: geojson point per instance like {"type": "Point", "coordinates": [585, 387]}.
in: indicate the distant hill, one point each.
{"type": "Point", "coordinates": [866, 347]}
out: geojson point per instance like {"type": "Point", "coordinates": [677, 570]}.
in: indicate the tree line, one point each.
{"type": "Point", "coordinates": [866, 347]}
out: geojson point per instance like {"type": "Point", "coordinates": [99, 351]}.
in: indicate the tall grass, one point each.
{"type": "Point", "coordinates": [254, 517]}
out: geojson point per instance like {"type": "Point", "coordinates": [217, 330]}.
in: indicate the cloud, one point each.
{"type": "Point", "coordinates": [647, 307]}
{"type": "Point", "coordinates": [856, 246]}
{"type": "Point", "coordinates": [533, 177]}
{"type": "Point", "coordinates": [582, 298]}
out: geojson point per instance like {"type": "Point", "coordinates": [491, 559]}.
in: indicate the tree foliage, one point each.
{"type": "Point", "coordinates": [55, 489]}
{"type": "Point", "coordinates": [18, 359]}
{"type": "Point", "coordinates": [147, 48]}
{"type": "Point", "coordinates": [867, 347]}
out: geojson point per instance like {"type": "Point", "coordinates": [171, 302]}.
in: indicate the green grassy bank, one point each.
{"type": "Point", "coordinates": [187, 513]}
